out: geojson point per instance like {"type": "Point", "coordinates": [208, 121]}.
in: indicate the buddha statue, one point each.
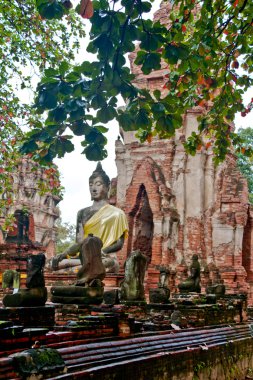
{"type": "Point", "coordinates": [102, 220]}
{"type": "Point", "coordinates": [192, 283]}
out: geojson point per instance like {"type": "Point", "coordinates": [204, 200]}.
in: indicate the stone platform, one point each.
{"type": "Point", "coordinates": [40, 316]}
{"type": "Point", "coordinates": [223, 353]}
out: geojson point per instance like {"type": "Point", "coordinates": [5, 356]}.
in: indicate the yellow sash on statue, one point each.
{"type": "Point", "coordinates": [109, 224]}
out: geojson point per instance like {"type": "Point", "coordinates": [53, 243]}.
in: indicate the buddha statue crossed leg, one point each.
{"type": "Point", "coordinates": [102, 220]}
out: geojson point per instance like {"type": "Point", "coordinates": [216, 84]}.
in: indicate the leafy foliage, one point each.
{"type": "Point", "coordinates": [204, 46]}
{"type": "Point", "coordinates": [28, 44]}
{"type": "Point", "coordinates": [244, 161]}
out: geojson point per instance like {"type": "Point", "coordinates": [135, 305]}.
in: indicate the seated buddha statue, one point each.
{"type": "Point", "coordinates": [102, 220]}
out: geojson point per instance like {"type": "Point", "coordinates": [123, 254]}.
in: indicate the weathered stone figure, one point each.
{"type": "Point", "coordinates": [92, 266]}
{"type": "Point", "coordinates": [162, 293]}
{"type": "Point", "coordinates": [192, 283]}
{"type": "Point", "coordinates": [103, 220]}
{"type": "Point", "coordinates": [36, 292]}
{"type": "Point", "coordinates": [89, 287]}
{"type": "Point", "coordinates": [132, 288]}
{"type": "Point", "coordinates": [35, 269]}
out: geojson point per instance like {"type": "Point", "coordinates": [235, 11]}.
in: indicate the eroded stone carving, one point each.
{"type": "Point", "coordinates": [132, 288]}
{"type": "Point", "coordinates": [89, 287]}
{"type": "Point", "coordinates": [192, 283]}
{"type": "Point", "coordinates": [36, 293]}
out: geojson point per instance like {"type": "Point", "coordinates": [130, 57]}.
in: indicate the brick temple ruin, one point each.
{"type": "Point", "coordinates": [177, 205]}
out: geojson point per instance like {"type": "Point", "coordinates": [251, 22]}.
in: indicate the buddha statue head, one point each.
{"type": "Point", "coordinates": [99, 183]}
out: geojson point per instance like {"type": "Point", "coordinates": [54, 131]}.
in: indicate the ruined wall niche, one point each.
{"type": "Point", "coordinates": [141, 235]}
{"type": "Point", "coordinates": [23, 228]}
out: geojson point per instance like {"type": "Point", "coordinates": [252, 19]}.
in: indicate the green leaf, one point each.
{"type": "Point", "coordinates": [104, 45]}
{"type": "Point", "coordinates": [53, 10]}
{"type": "Point", "coordinates": [151, 62]}
{"type": "Point", "coordinates": [47, 100]}
{"type": "Point", "coordinates": [173, 53]}
{"type": "Point", "coordinates": [165, 124]}
{"type": "Point", "coordinates": [126, 122]}
{"type": "Point", "coordinates": [140, 57]}
{"type": "Point", "coordinates": [95, 152]}
{"type": "Point", "coordinates": [86, 67]}
{"type": "Point", "coordinates": [149, 42]}
{"type": "Point", "coordinates": [63, 146]}
{"type": "Point", "coordinates": [28, 147]}
{"type": "Point", "coordinates": [72, 77]}
{"type": "Point", "coordinates": [51, 72]}
{"type": "Point", "coordinates": [98, 101]}
{"type": "Point", "coordinates": [142, 119]}
{"type": "Point", "coordinates": [63, 68]}
{"type": "Point", "coordinates": [158, 109]}
{"type": "Point", "coordinates": [80, 128]}
{"type": "Point", "coordinates": [65, 88]}
{"type": "Point", "coordinates": [101, 128]}
{"type": "Point", "coordinates": [157, 94]}
{"type": "Point", "coordinates": [106, 114]}
{"type": "Point", "coordinates": [57, 115]}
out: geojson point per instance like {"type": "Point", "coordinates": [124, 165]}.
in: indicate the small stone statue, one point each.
{"type": "Point", "coordinates": [192, 283]}
{"type": "Point", "coordinates": [162, 294]}
{"type": "Point", "coordinates": [218, 288]}
{"type": "Point", "coordinates": [36, 293]}
{"type": "Point", "coordinates": [132, 288]}
{"type": "Point", "coordinates": [35, 267]}
{"type": "Point", "coordinates": [164, 276]}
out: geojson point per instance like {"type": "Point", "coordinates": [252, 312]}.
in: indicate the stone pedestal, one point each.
{"type": "Point", "coordinates": [26, 297]}
{"type": "Point", "coordinates": [77, 295]}
{"type": "Point", "coordinates": [40, 316]}
{"type": "Point", "coordinates": [160, 295]}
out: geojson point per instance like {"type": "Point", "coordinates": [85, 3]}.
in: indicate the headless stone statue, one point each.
{"type": "Point", "coordinates": [132, 288]}
{"type": "Point", "coordinates": [35, 274]}
{"type": "Point", "coordinates": [218, 288]}
{"type": "Point", "coordinates": [192, 283]}
{"type": "Point", "coordinates": [92, 266]}
{"type": "Point", "coordinates": [162, 294]}
{"type": "Point", "coordinates": [36, 293]}
{"type": "Point", "coordinates": [103, 220]}
{"type": "Point", "coordinates": [88, 288]}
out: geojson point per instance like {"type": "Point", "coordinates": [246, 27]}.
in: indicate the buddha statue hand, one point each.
{"type": "Point", "coordinates": [110, 262]}
{"type": "Point", "coordinates": [56, 260]}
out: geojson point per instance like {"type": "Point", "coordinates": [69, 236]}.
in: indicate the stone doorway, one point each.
{"type": "Point", "coordinates": [142, 224]}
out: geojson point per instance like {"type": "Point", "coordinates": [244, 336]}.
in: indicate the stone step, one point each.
{"type": "Point", "coordinates": [81, 358]}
